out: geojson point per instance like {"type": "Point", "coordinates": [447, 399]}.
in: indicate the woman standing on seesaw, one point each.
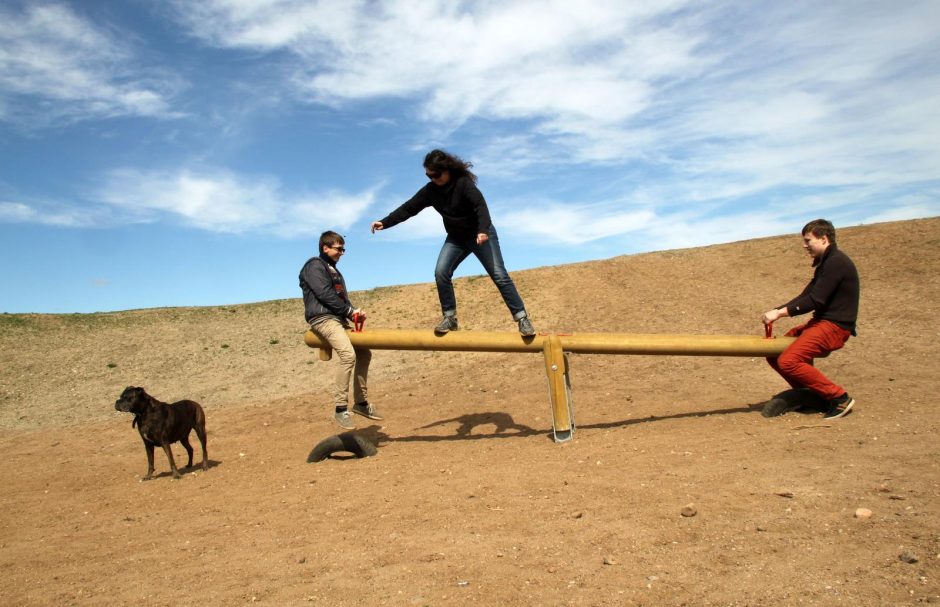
{"type": "Point", "coordinates": [453, 193]}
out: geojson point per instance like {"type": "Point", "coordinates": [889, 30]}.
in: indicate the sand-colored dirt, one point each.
{"type": "Point", "coordinates": [468, 500]}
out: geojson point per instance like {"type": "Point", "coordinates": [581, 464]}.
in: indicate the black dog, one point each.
{"type": "Point", "coordinates": [162, 424]}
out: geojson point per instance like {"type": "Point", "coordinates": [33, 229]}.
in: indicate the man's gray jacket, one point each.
{"type": "Point", "coordinates": [324, 290]}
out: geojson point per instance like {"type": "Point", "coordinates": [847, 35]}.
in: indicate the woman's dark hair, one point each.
{"type": "Point", "coordinates": [439, 160]}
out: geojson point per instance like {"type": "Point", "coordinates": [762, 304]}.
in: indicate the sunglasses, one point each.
{"type": "Point", "coordinates": [434, 174]}
{"type": "Point", "coordinates": [339, 248]}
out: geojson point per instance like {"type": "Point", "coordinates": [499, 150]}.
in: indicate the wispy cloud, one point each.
{"type": "Point", "coordinates": [56, 65]}
{"type": "Point", "coordinates": [724, 105]}
{"type": "Point", "coordinates": [574, 224]}
{"type": "Point", "coordinates": [673, 112]}
{"type": "Point", "coordinates": [576, 69]}
{"type": "Point", "coordinates": [51, 214]}
{"type": "Point", "coordinates": [220, 201]}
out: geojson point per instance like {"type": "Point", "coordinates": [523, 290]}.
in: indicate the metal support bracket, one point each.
{"type": "Point", "coordinates": [559, 389]}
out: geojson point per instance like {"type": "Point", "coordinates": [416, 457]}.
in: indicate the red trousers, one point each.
{"type": "Point", "coordinates": [815, 339]}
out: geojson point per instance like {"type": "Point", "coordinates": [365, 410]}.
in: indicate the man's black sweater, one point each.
{"type": "Point", "coordinates": [833, 292]}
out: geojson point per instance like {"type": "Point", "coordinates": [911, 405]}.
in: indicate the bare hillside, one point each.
{"type": "Point", "coordinates": [468, 499]}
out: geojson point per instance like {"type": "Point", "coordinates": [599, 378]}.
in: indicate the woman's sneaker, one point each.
{"type": "Point", "coordinates": [449, 323]}
{"type": "Point", "coordinates": [839, 407]}
{"type": "Point", "coordinates": [525, 327]}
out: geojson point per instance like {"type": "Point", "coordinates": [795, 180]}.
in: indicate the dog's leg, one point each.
{"type": "Point", "coordinates": [189, 450]}
{"type": "Point", "coordinates": [201, 433]}
{"type": "Point", "coordinates": [148, 446]}
{"type": "Point", "coordinates": [169, 456]}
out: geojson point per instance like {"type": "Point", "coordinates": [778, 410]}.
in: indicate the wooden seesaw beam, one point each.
{"type": "Point", "coordinates": [555, 349]}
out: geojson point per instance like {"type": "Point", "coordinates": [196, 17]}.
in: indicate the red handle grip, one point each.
{"type": "Point", "coordinates": [359, 320]}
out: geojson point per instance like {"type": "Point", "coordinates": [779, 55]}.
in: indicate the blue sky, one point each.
{"type": "Point", "coordinates": [185, 153]}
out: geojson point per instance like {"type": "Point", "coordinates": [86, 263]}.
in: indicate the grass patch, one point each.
{"type": "Point", "coordinates": [14, 320]}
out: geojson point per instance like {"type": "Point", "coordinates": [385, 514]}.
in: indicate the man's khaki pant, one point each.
{"type": "Point", "coordinates": [353, 362]}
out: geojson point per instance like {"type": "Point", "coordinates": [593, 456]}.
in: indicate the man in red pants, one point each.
{"type": "Point", "coordinates": [832, 296]}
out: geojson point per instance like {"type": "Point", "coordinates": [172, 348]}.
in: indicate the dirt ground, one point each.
{"type": "Point", "coordinates": [469, 500]}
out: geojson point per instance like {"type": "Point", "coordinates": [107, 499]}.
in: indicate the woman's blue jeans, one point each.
{"type": "Point", "coordinates": [455, 251]}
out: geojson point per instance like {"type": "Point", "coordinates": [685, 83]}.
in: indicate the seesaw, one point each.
{"type": "Point", "coordinates": [555, 348]}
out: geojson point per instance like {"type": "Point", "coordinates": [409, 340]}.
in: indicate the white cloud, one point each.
{"type": "Point", "coordinates": [69, 216]}
{"type": "Point", "coordinates": [426, 224]}
{"type": "Point", "coordinates": [577, 224]}
{"type": "Point", "coordinates": [57, 65]}
{"type": "Point", "coordinates": [707, 108]}
{"type": "Point", "coordinates": [16, 212]}
{"type": "Point", "coordinates": [905, 212]}
{"type": "Point", "coordinates": [576, 68]}
{"type": "Point", "coordinates": [786, 93]}
{"type": "Point", "coordinates": [330, 210]}
{"type": "Point", "coordinates": [677, 232]}
{"type": "Point", "coordinates": [220, 201]}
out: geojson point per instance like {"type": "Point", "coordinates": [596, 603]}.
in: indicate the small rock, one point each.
{"type": "Point", "coordinates": [863, 513]}
{"type": "Point", "coordinates": [907, 557]}
{"type": "Point", "coordinates": [302, 560]}
{"type": "Point", "coordinates": [689, 511]}
{"type": "Point", "coordinates": [761, 528]}
{"type": "Point", "coordinates": [577, 515]}
{"type": "Point", "coordinates": [784, 493]}
{"type": "Point", "coordinates": [609, 560]}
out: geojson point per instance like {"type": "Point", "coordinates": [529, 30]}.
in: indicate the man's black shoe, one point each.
{"type": "Point", "coordinates": [839, 407]}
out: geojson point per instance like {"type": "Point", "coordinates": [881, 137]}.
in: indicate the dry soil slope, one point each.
{"type": "Point", "coordinates": [67, 369]}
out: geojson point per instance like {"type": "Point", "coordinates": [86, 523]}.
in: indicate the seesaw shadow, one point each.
{"type": "Point", "coordinates": [507, 428]}
{"type": "Point", "coordinates": [505, 422]}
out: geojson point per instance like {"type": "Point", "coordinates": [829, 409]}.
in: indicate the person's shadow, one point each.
{"type": "Point", "coordinates": [503, 422]}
